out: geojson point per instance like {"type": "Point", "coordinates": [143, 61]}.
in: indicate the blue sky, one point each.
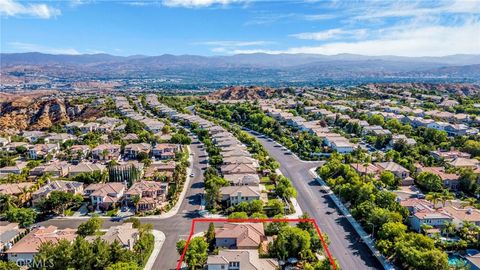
{"type": "Point", "coordinates": [223, 27]}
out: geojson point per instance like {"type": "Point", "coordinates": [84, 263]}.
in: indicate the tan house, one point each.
{"type": "Point", "coordinates": [240, 259]}
{"type": "Point", "coordinates": [132, 150]}
{"type": "Point", "coordinates": [38, 151]}
{"type": "Point", "coordinates": [105, 195]}
{"type": "Point", "coordinates": [8, 233]}
{"type": "Point", "coordinates": [161, 168]}
{"type": "Point", "coordinates": [450, 180]}
{"type": "Point", "coordinates": [55, 169]}
{"type": "Point", "coordinates": [106, 152]}
{"type": "Point", "coordinates": [238, 168]}
{"type": "Point", "coordinates": [85, 167]}
{"type": "Point", "coordinates": [234, 195]}
{"type": "Point", "coordinates": [59, 185]}
{"type": "Point", "coordinates": [151, 193]}
{"type": "Point", "coordinates": [124, 234]}
{"type": "Point", "coordinates": [27, 247]}
{"type": "Point", "coordinates": [398, 170]}
{"type": "Point", "coordinates": [240, 236]}
{"type": "Point", "coordinates": [165, 150]}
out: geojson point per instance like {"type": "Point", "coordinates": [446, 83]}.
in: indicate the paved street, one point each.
{"type": "Point", "coordinates": [344, 245]}
{"type": "Point", "coordinates": [174, 228]}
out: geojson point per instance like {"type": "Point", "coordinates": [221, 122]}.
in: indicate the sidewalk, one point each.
{"type": "Point", "coordinates": [358, 228]}
{"type": "Point", "coordinates": [159, 240]}
{"type": "Point", "coordinates": [298, 211]}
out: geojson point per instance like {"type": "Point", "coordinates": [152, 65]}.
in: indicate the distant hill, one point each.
{"type": "Point", "coordinates": [241, 67]}
{"type": "Point", "coordinates": [246, 93]}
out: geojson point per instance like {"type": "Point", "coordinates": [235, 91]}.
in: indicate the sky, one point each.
{"type": "Point", "coordinates": [226, 27]}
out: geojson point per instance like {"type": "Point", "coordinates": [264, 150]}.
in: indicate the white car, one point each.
{"type": "Point", "coordinates": [192, 175]}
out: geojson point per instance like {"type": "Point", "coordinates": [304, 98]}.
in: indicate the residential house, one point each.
{"type": "Point", "coordinates": [161, 169]}
{"type": "Point", "coordinates": [106, 152]}
{"type": "Point", "coordinates": [59, 138]}
{"type": "Point", "coordinates": [398, 170]}
{"type": "Point", "coordinates": [54, 169]}
{"type": "Point", "coordinates": [15, 169]}
{"type": "Point", "coordinates": [469, 163]}
{"type": "Point", "coordinates": [80, 151]}
{"type": "Point", "coordinates": [105, 195]}
{"type": "Point", "coordinates": [165, 150]}
{"type": "Point", "coordinates": [8, 234]}
{"type": "Point", "coordinates": [33, 136]}
{"type": "Point", "coordinates": [27, 247]}
{"type": "Point", "coordinates": [123, 234]}
{"type": "Point", "coordinates": [240, 236]}
{"type": "Point", "coordinates": [151, 193]}
{"type": "Point", "coordinates": [243, 179]}
{"type": "Point", "coordinates": [449, 155]}
{"type": "Point", "coordinates": [240, 259]}
{"type": "Point", "coordinates": [89, 127]}
{"type": "Point", "coordinates": [85, 167]}
{"type": "Point", "coordinates": [39, 151]}
{"type": "Point", "coordinates": [238, 168]}
{"type": "Point", "coordinates": [461, 215]}
{"type": "Point", "coordinates": [234, 195]}
{"type": "Point", "coordinates": [434, 218]}
{"type": "Point", "coordinates": [343, 146]}
{"type": "Point", "coordinates": [73, 127]}
{"type": "Point", "coordinates": [132, 150]}
{"type": "Point", "coordinates": [450, 180]}
{"type": "Point", "coordinates": [58, 185]}
{"type": "Point", "coordinates": [401, 137]}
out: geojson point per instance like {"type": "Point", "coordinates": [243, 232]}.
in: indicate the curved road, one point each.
{"type": "Point", "coordinates": [344, 242]}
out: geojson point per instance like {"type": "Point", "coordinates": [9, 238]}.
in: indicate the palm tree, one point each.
{"type": "Point", "coordinates": [445, 196]}
{"type": "Point", "coordinates": [469, 202]}
{"type": "Point", "coordinates": [433, 197]}
{"type": "Point", "coordinates": [449, 228]}
{"type": "Point", "coordinates": [7, 202]}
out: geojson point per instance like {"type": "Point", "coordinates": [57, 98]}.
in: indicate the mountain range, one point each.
{"type": "Point", "coordinates": [244, 66]}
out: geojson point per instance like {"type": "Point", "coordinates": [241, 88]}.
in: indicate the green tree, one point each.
{"type": "Point", "coordinates": [472, 147]}
{"type": "Point", "coordinates": [59, 201]}
{"type": "Point", "coordinates": [210, 236]}
{"type": "Point", "coordinates": [90, 227]}
{"type": "Point", "coordinates": [291, 242]}
{"type": "Point", "coordinates": [8, 266]}
{"type": "Point", "coordinates": [82, 255]}
{"type": "Point", "coordinates": [102, 253]}
{"type": "Point", "coordinates": [388, 178]}
{"type": "Point", "coordinates": [123, 266]}
{"type": "Point", "coordinates": [275, 207]}
{"type": "Point", "coordinates": [197, 253]}
{"type": "Point", "coordinates": [23, 216]}
{"type": "Point", "coordinates": [430, 181]}
{"type": "Point", "coordinates": [238, 215]}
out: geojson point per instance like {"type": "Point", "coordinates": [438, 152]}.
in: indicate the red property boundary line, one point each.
{"type": "Point", "coordinates": [195, 220]}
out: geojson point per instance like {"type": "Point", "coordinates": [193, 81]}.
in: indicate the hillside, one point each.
{"type": "Point", "coordinates": [450, 88]}
{"type": "Point", "coordinates": [246, 93]}
{"type": "Point", "coordinates": [239, 68]}
{"type": "Point", "coordinates": [41, 113]}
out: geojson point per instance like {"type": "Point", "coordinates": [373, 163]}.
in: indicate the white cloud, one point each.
{"type": "Point", "coordinates": [408, 41]}
{"type": "Point", "coordinates": [390, 9]}
{"type": "Point", "coordinates": [198, 3]}
{"type": "Point", "coordinates": [14, 8]}
{"type": "Point", "coordinates": [331, 34]}
{"type": "Point", "coordinates": [28, 47]}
